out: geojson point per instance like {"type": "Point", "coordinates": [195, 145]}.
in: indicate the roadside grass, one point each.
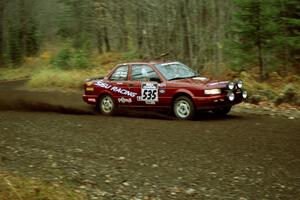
{"type": "Point", "coordinates": [57, 79]}
{"type": "Point", "coordinates": [13, 187]}
{"type": "Point", "coordinates": [28, 68]}
{"type": "Point", "coordinates": [276, 89]}
{"type": "Point", "coordinates": [45, 76]}
{"type": "Point", "coordinates": [24, 71]}
{"type": "Point", "coordinates": [53, 78]}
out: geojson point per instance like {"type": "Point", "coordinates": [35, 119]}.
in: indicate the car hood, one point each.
{"type": "Point", "coordinates": [203, 81]}
{"type": "Point", "coordinates": [94, 79]}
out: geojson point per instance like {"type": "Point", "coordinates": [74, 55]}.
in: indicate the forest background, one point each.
{"type": "Point", "coordinates": [59, 43]}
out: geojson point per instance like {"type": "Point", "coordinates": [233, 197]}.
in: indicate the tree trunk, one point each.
{"type": "Point", "coordinates": [99, 42]}
{"type": "Point", "coordinates": [257, 10]}
{"type": "Point", "coordinates": [124, 32]}
{"type": "Point", "coordinates": [260, 61]}
{"type": "Point", "coordinates": [139, 30]}
{"type": "Point", "coordinates": [186, 37]}
{"type": "Point", "coordinates": [1, 32]}
{"type": "Point", "coordinates": [106, 39]}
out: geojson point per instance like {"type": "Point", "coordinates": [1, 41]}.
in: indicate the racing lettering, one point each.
{"type": "Point", "coordinates": [123, 91]}
{"type": "Point", "coordinates": [116, 89]}
{"type": "Point", "coordinates": [103, 85]}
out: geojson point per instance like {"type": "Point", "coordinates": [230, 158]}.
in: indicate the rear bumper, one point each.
{"type": "Point", "coordinates": [216, 101]}
{"type": "Point", "coordinates": [90, 99]}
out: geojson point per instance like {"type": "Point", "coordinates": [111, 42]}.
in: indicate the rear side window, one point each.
{"type": "Point", "coordinates": [120, 74]}
{"type": "Point", "coordinates": [142, 73]}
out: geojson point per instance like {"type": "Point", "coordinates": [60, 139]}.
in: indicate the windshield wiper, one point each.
{"type": "Point", "coordinates": [192, 76]}
{"type": "Point", "coordinates": [177, 78]}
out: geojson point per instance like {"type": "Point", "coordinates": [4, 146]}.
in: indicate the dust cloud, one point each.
{"type": "Point", "coordinates": [36, 106]}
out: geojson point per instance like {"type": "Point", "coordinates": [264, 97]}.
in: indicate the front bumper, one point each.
{"type": "Point", "coordinates": [217, 101]}
{"type": "Point", "coordinates": [90, 99]}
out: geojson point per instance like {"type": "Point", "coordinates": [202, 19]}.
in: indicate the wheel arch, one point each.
{"type": "Point", "coordinates": [191, 111]}
{"type": "Point", "coordinates": [182, 93]}
{"type": "Point", "coordinates": [100, 95]}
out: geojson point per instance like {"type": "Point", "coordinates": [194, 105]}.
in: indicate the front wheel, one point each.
{"type": "Point", "coordinates": [107, 105]}
{"type": "Point", "coordinates": [184, 108]}
{"type": "Point", "coordinates": [222, 111]}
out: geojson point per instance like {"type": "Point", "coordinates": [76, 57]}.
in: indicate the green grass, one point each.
{"type": "Point", "coordinates": [43, 75]}
{"type": "Point", "coordinates": [14, 73]}
{"type": "Point", "coordinates": [48, 78]}
{"type": "Point", "coordinates": [26, 70]}
{"type": "Point", "coordinates": [13, 187]}
{"type": "Point", "coordinates": [53, 78]}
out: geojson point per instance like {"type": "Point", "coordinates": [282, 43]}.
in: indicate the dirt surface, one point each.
{"type": "Point", "coordinates": [54, 136]}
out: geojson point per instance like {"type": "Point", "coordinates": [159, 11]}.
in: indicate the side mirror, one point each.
{"type": "Point", "coordinates": [155, 79]}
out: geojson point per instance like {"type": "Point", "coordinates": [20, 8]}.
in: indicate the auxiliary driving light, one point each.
{"type": "Point", "coordinates": [230, 85]}
{"type": "Point", "coordinates": [240, 84]}
{"type": "Point", "coordinates": [231, 96]}
{"type": "Point", "coordinates": [245, 94]}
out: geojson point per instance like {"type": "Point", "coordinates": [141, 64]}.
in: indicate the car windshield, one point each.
{"type": "Point", "coordinates": [175, 70]}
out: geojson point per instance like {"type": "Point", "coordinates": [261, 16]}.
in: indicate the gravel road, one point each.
{"type": "Point", "coordinates": [54, 136]}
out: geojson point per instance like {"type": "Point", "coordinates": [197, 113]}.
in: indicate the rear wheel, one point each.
{"type": "Point", "coordinates": [222, 111]}
{"type": "Point", "coordinates": [183, 108]}
{"type": "Point", "coordinates": [107, 105]}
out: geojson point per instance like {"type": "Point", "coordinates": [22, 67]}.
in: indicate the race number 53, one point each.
{"type": "Point", "coordinates": [149, 92]}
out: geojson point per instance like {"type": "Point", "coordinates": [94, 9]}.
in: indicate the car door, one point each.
{"type": "Point", "coordinates": [119, 86]}
{"type": "Point", "coordinates": [145, 82]}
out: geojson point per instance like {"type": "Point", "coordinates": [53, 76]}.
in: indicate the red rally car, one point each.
{"type": "Point", "coordinates": [170, 85]}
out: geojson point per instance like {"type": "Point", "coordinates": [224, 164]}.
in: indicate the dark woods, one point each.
{"type": "Point", "coordinates": [206, 34]}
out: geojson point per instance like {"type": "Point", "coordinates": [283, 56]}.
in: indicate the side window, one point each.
{"type": "Point", "coordinates": [143, 73]}
{"type": "Point", "coordinates": [120, 74]}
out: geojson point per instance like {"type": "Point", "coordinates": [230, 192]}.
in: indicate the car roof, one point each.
{"type": "Point", "coordinates": [147, 63]}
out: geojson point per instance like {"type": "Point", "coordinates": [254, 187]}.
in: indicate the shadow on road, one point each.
{"type": "Point", "coordinates": [167, 115]}
{"type": "Point", "coordinates": [23, 105]}
{"type": "Point", "coordinates": [14, 97]}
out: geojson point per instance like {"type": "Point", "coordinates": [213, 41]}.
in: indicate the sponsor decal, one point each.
{"type": "Point", "coordinates": [162, 91]}
{"type": "Point", "coordinates": [123, 91]}
{"type": "Point", "coordinates": [150, 102]}
{"type": "Point", "coordinates": [149, 91]}
{"type": "Point", "coordinates": [124, 100]}
{"type": "Point", "coordinates": [103, 85]}
{"type": "Point", "coordinates": [116, 89]}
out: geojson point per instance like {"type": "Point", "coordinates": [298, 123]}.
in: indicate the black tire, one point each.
{"type": "Point", "coordinates": [184, 108]}
{"type": "Point", "coordinates": [107, 105]}
{"type": "Point", "coordinates": [222, 111]}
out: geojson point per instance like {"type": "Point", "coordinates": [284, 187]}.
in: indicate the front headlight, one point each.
{"type": "Point", "coordinates": [239, 84]}
{"type": "Point", "coordinates": [212, 91]}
